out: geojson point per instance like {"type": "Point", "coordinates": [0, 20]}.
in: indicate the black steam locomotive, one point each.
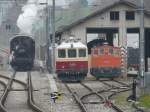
{"type": "Point", "coordinates": [22, 53]}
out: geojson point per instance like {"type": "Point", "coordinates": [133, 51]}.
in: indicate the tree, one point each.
{"type": "Point", "coordinates": [78, 3]}
{"type": "Point", "coordinates": [83, 2]}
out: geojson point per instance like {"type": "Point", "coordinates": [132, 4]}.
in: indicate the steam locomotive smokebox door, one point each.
{"type": "Point", "coordinates": [22, 53]}
{"type": "Point", "coordinates": [147, 82]}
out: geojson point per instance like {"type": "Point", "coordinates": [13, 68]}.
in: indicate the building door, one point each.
{"type": "Point", "coordinates": [134, 32]}
{"type": "Point", "coordinates": [101, 34]}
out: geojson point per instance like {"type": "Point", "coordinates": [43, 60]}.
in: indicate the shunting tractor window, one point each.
{"type": "Point", "coordinates": [116, 52]}
{"type": "Point", "coordinates": [101, 51]}
{"type": "Point", "coordinates": [95, 52]}
{"type": "Point", "coordinates": [61, 53]}
{"type": "Point", "coordinates": [111, 51]}
{"type": "Point", "coordinates": [72, 53]}
{"type": "Point", "coordinates": [82, 52]}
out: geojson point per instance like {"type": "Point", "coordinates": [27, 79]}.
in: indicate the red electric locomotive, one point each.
{"type": "Point", "coordinates": [105, 61]}
{"type": "Point", "coordinates": [71, 60]}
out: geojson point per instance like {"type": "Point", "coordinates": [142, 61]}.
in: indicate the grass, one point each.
{"type": "Point", "coordinates": [121, 99]}
{"type": "Point", "coordinates": [145, 100]}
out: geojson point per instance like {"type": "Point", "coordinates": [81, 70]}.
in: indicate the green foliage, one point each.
{"type": "Point", "coordinates": [83, 2]}
{"type": "Point", "coordinates": [68, 16]}
{"type": "Point", "coordinates": [78, 3]}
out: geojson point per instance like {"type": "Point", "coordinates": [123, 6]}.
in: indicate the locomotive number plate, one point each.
{"type": "Point", "coordinates": [106, 61]}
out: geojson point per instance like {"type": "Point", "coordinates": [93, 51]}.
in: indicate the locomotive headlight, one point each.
{"type": "Point", "coordinates": [62, 67]}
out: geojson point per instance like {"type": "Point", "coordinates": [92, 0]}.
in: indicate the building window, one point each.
{"type": "Point", "coordinates": [8, 27]}
{"type": "Point", "coordinates": [114, 15]}
{"type": "Point", "coordinates": [130, 15]}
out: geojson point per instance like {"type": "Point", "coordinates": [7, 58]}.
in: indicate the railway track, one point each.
{"type": "Point", "coordinates": [27, 86]}
{"type": "Point", "coordinates": [122, 89]}
{"type": "Point", "coordinates": [15, 80]}
{"type": "Point", "coordinates": [114, 83]}
{"type": "Point", "coordinates": [5, 94]}
{"type": "Point", "coordinates": [102, 92]}
{"type": "Point", "coordinates": [3, 84]}
{"type": "Point", "coordinates": [77, 99]}
{"type": "Point", "coordinates": [84, 104]}
{"type": "Point", "coordinates": [30, 95]}
{"type": "Point", "coordinates": [102, 99]}
{"type": "Point", "coordinates": [114, 88]}
{"type": "Point", "coordinates": [136, 109]}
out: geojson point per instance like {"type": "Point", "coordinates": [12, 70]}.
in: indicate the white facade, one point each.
{"type": "Point", "coordinates": [103, 21]}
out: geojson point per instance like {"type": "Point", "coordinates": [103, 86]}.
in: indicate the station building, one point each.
{"type": "Point", "coordinates": [117, 21]}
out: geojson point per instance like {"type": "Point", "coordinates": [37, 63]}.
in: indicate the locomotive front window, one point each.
{"type": "Point", "coordinates": [111, 51]}
{"type": "Point", "coordinates": [61, 53]}
{"type": "Point", "coordinates": [82, 52]}
{"type": "Point", "coordinates": [101, 51]}
{"type": "Point", "coordinates": [72, 53]}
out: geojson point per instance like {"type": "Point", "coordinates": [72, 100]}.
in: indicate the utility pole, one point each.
{"type": "Point", "coordinates": [142, 47]}
{"type": "Point", "coordinates": [53, 37]}
{"type": "Point", "coordinates": [48, 60]}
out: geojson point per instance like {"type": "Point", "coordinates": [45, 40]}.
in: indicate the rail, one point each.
{"type": "Point", "coordinates": [8, 88]}
{"type": "Point", "coordinates": [5, 94]}
{"type": "Point", "coordinates": [30, 95]}
{"type": "Point", "coordinates": [79, 102]}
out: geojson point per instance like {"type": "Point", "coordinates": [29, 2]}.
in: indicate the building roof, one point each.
{"type": "Point", "coordinates": [102, 7]}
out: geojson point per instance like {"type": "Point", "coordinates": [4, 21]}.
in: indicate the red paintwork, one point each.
{"type": "Point", "coordinates": [106, 59]}
{"type": "Point", "coordinates": [69, 65]}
